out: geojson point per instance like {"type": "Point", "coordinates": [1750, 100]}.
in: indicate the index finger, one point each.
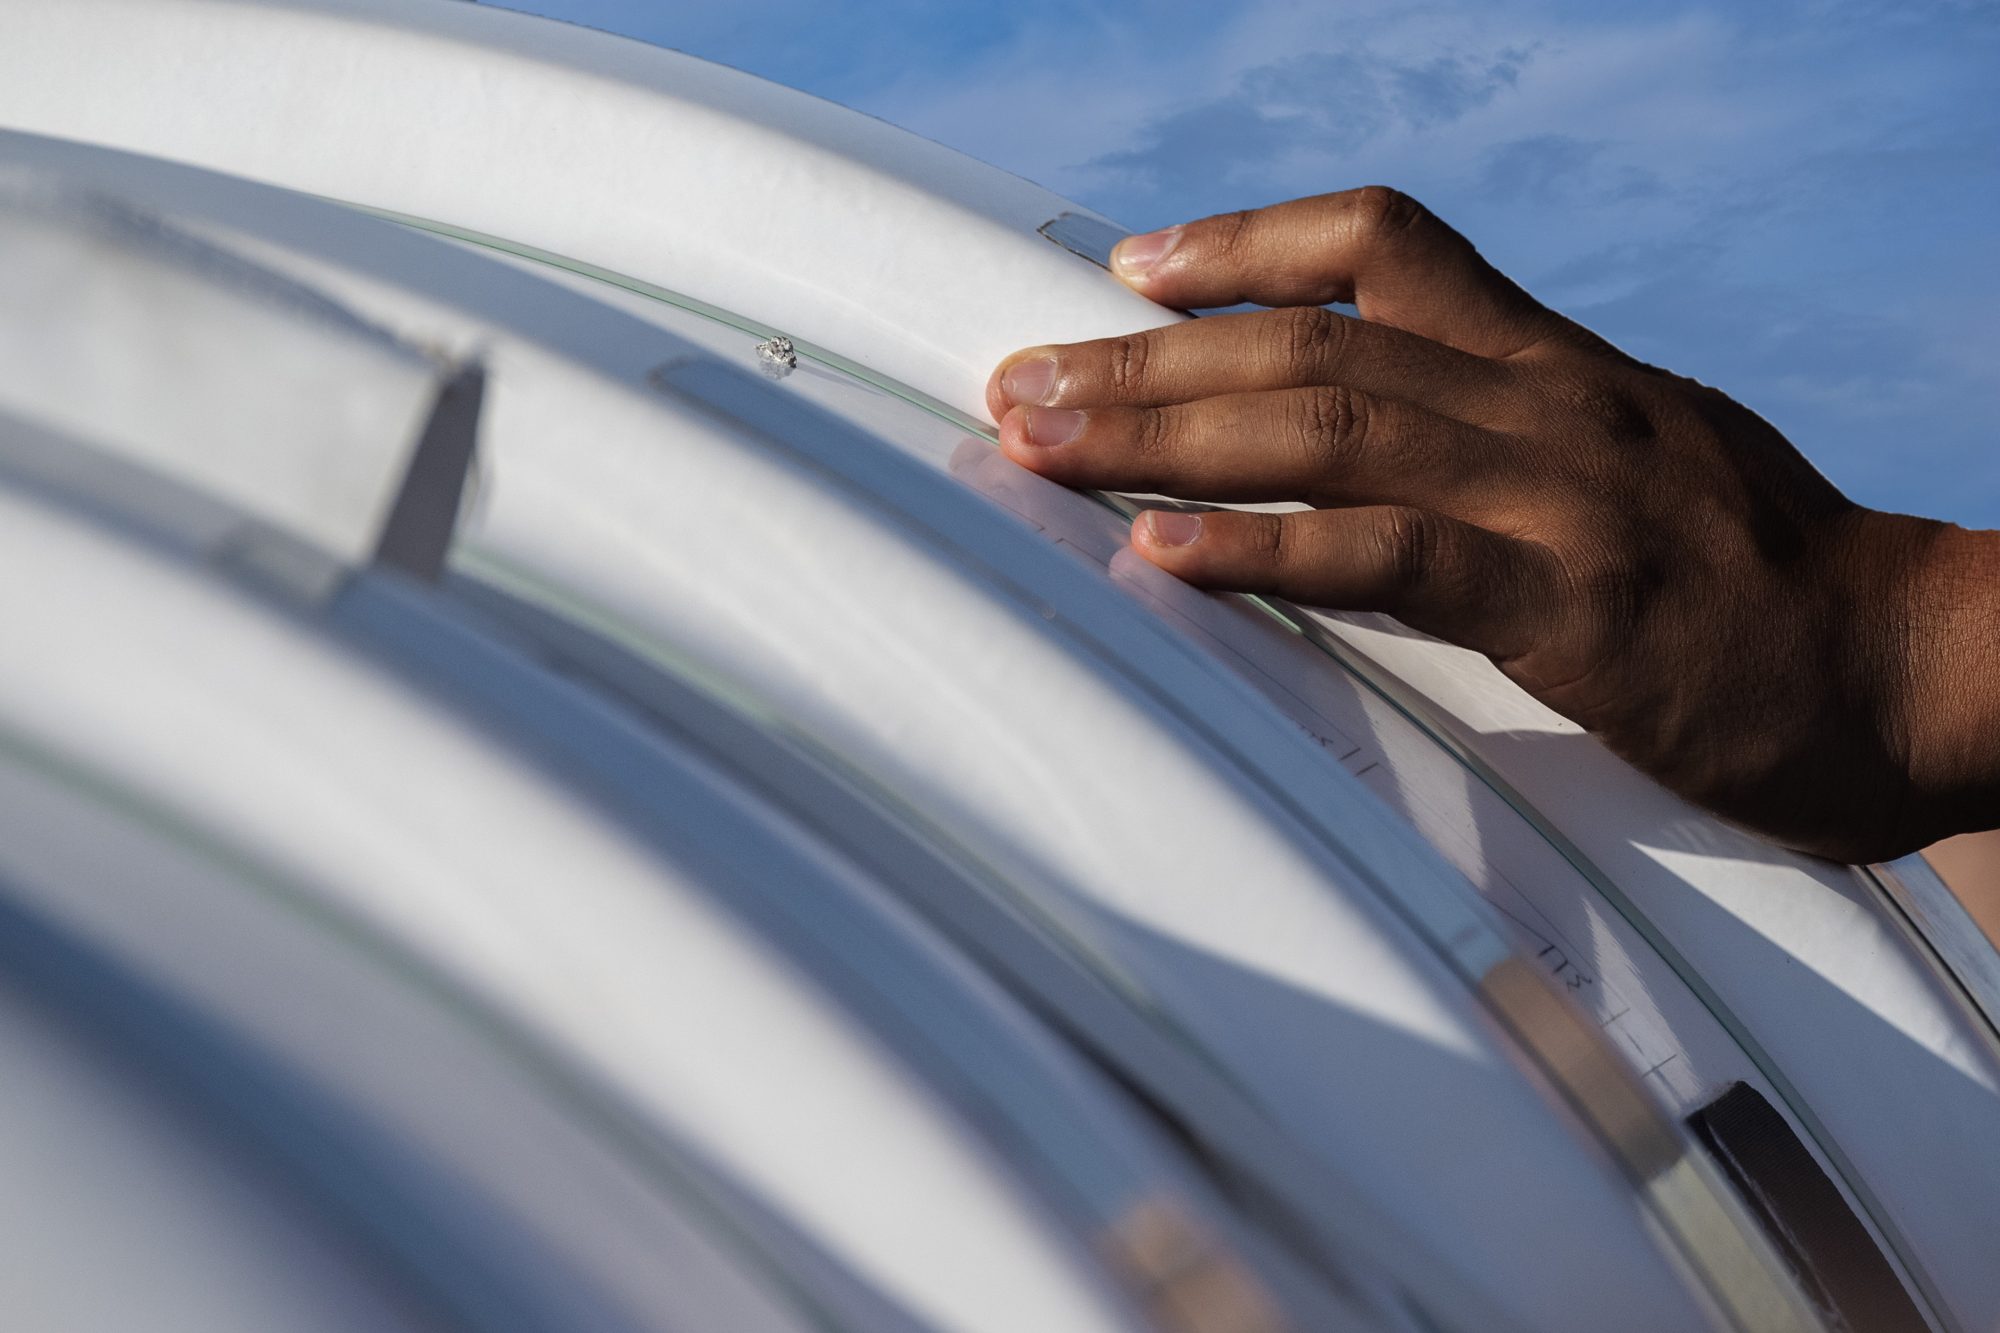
{"type": "Point", "coordinates": [1246, 353]}
{"type": "Point", "coordinates": [1374, 247]}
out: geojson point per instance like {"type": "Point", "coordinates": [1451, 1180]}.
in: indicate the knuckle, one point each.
{"type": "Point", "coordinates": [1382, 212]}
{"type": "Point", "coordinates": [1151, 438]}
{"type": "Point", "coordinates": [1231, 233]}
{"type": "Point", "coordinates": [1628, 582]}
{"type": "Point", "coordinates": [1410, 544]}
{"type": "Point", "coordinates": [1310, 336]}
{"type": "Point", "coordinates": [1125, 363]}
{"type": "Point", "coordinates": [1610, 582]}
{"type": "Point", "coordinates": [1603, 406]}
{"type": "Point", "coordinates": [1268, 541]}
{"type": "Point", "coordinates": [1333, 425]}
{"type": "Point", "coordinates": [1623, 415]}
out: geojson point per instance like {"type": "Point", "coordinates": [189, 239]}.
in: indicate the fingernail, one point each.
{"type": "Point", "coordinates": [1029, 381]}
{"type": "Point", "coordinates": [1167, 528]}
{"type": "Point", "coordinates": [1053, 425]}
{"type": "Point", "coordinates": [1135, 254]}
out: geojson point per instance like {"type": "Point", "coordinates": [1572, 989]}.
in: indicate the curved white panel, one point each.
{"type": "Point", "coordinates": [685, 173]}
{"type": "Point", "coordinates": [759, 200]}
{"type": "Point", "coordinates": [1251, 936]}
{"type": "Point", "coordinates": [117, 1215]}
{"type": "Point", "coordinates": [1729, 918]}
{"type": "Point", "coordinates": [277, 1101]}
{"type": "Point", "coordinates": [307, 760]}
{"type": "Point", "coordinates": [182, 357]}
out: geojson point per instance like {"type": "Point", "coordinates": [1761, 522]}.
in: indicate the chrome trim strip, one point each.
{"type": "Point", "coordinates": [1084, 236]}
{"type": "Point", "coordinates": [1938, 922]}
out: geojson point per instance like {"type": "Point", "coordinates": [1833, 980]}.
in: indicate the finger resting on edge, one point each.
{"type": "Point", "coordinates": [1447, 578]}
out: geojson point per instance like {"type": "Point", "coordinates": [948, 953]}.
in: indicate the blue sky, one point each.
{"type": "Point", "coordinates": [1797, 201]}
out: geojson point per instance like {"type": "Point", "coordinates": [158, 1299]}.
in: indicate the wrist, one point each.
{"type": "Point", "coordinates": [1943, 650]}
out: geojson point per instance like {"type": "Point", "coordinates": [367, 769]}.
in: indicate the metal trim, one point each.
{"type": "Point", "coordinates": [1934, 918]}
{"type": "Point", "coordinates": [1084, 236]}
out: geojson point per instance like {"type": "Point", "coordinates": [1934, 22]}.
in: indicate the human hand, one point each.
{"type": "Point", "coordinates": [1641, 553]}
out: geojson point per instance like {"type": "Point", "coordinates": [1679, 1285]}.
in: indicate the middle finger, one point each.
{"type": "Point", "coordinates": [1241, 353]}
{"type": "Point", "coordinates": [1325, 445]}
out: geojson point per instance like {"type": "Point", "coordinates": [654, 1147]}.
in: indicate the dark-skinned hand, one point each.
{"type": "Point", "coordinates": [1635, 549]}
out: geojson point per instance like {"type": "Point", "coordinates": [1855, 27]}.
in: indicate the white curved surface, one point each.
{"type": "Point", "coordinates": [233, 1016]}
{"type": "Point", "coordinates": [426, 826]}
{"type": "Point", "coordinates": [646, 161]}
{"type": "Point", "coordinates": [103, 1179]}
{"type": "Point", "coordinates": [1893, 1070]}
{"type": "Point", "coordinates": [985, 284]}
{"type": "Point", "coordinates": [784, 201]}
{"type": "Point", "coordinates": [865, 635]}
{"type": "Point", "coordinates": [1346, 1026]}
{"type": "Point", "coordinates": [1351, 1030]}
{"type": "Point", "coordinates": [1606, 964]}
{"type": "Point", "coordinates": [197, 362]}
